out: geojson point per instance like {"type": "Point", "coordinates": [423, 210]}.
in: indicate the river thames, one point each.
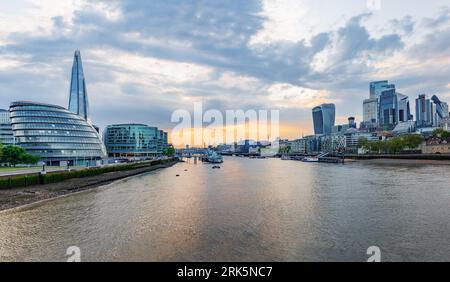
{"type": "Point", "coordinates": [249, 210]}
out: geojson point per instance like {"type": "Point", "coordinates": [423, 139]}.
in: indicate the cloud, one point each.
{"type": "Point", "coordinates": [143, 59]}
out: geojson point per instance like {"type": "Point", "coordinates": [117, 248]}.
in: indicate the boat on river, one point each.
{"type": "Point", "coordinates": [213, 157]}
{"type": "Point", "coordinates": [310, 160]}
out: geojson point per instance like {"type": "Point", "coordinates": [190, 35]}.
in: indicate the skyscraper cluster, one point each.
{"type": "Point", "coordinates": [430, 112]}
{"type": "Point", "coordinates": [385, 108]}
{"type": "Point", "coordinates": [385, 113]}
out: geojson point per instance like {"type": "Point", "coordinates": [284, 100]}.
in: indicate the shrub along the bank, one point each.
{"type": "Point", "coordinates": [52, 177]}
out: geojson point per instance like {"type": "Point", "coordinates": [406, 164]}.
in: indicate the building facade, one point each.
{"type": "Point", "coordinates": [388, 106]}
{"type": "Point", "coordinates": [355, 137]}
{"type": "Point", "coordinates": [6, 133]}
{"type": "Point", "coordinates": [78, 98]}
{"type": "Point", "coordinates": [324, 118]}
{"type": "Point", "coordinates": [393, 108]}
{"type": "Point", "coordinates": [376, 88]}
{"type": "Point", "coordinates": [438, 110]}
{"type": "Point", "coordinates": [404, 110]}
{"type": "Point", "coordinates": [334, 143]}
{"type": "Point", "coordinates": [370, 110]}
{"type": "Point", "coordinates": [424, 116]}
{"type": "Point", "coordinates": [59, 136]}
{"type": "Point", "coordinates": [134, 141]}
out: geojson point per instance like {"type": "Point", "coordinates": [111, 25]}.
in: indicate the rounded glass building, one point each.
{"type": "Point", "coordinates": [59, 136]}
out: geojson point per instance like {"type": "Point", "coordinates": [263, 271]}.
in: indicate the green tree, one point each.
{"type": "Point", "coordinates": [285, 150]}
{"type": "Point", "coordinates": [412, 141]}
{"type": "Point", "coordinates": [14, 155]}
{"type": "Point", "coordinates": [441, 133]}
{"type": "Point", "coordinates": [393, 145]}
{"type": "Point", "coordinates": [169, 151]}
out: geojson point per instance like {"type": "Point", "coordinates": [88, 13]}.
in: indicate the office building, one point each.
{"type": "Point", "coordinates": [370, 110]}
{"type": "Point", "coordinates": [439, 110]}
{"type": "Point", "coordinates": [134, 141]}
{"type": "Point", "coordinates": [404, 110]}
{"type": "Point", "coordinates": [393, 108]}
{"type": "Point", "coordinates": [324, 118]}
{"type": "Point", "coordinates": [424, 116]}
{"type": "Point", "coordinates": [376, 88]}
{"type": "Point", "coordinates": [59, 136]}
{"type": "Point", "coordinates": [78, 99]}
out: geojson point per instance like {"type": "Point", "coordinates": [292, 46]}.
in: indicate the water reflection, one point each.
{"type": "Point", "coordinates": [250, 209]}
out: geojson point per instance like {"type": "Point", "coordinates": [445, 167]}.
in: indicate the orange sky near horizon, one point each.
{"type": "Point", "coordinates": [289, 131]}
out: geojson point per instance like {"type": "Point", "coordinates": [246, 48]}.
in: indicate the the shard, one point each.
{"type": "Point", "coordinates": [78, 100]}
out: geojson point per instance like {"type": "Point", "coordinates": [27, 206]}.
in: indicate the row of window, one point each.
{"type": "Point", "coordinates": [65, 146]}
{"type": "Point", "coordinates": [38, 108]}
{"type": "Point", "coordinates": [68, 153]}
{"type": "Point", "coordinates": [51, 126]}
{"type": "Point", "coordinates": [51, 133]}
{"type": "Point", "coordinates": [44, 114]}
{"type": "Point", "coordinates": [84, 140]}
{"type": "Point", "coordinates": [47, 120]}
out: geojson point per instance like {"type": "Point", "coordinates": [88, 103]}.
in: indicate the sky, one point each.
{"type": "Point", "coordinates": [145, 59]}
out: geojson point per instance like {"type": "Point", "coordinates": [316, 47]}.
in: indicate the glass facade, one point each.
{"type": "Point", "coordinates": [388, 116]}
{"type": "Point", "coordinates": [324, 118]}
{"type": "Point", "coordinates": [438, 111]}
{"type": "Point", "coordinates": [134, 140]}
{"type": "Point", "coordinates": [393, 108]}
{"type": "Point", "coordinates": [377, 88]}
{"type": "Point", "coordinates": [55, 134]}
{"type": "Point", "coordinates": [78, 99]}
{"type": "Point", "coordinates": [6, 133]}
{"type": "Point", "coordinates": [404, 112]}
{"type": "Point", "coordinates": [424, 111]}
{"type": "Point", "coordinates": [370, 110]}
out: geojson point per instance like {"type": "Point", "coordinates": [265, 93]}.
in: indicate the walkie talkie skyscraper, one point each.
{"type": "Point", "coordinates": [78, 100]}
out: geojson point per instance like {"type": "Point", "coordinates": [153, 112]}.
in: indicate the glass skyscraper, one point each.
{"type": "Point", "coordinates": [424, 111]}
{"type": "Point", "coordinates": [388, 109]}
{"type": "Point", "coordinates": [370, 110]}
{"type": "Point", "coordinates": [134, 140]}
{"type": "Point", "coordinates": [56, 134]}
{"type": "Point", "coordinates": [324, 118]}
{"type": "Point", "coordinates": [394, 108]}
{"type": "Point", "coordinates": [404, 112]}
{"type": "Point", "coordinates": [438, 112]}
{"type": "Point", "coordinates": [377, 88]}
{"type": "Point", "coordinates": [78, 99]}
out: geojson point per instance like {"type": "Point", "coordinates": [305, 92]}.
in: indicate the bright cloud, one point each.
{"type": "Point", "coordinates": [251, 54]}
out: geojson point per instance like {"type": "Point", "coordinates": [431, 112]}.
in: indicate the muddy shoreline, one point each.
{"type": "Point", "coordinates": [17, 197]}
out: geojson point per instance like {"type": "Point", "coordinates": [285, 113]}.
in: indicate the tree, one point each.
{"type": "Point", "coordinates": [14, 155]}
{"type": "Point", "coordinates": [393, 145]}
{"type": "Point", "coordinates": [441, 133]}
{"type": "Point", "coordinates": [169, 151]}
{"type": "Point", "coordinates": [285, 150]}
{"type": "Point", "coordinates": [413, 141]}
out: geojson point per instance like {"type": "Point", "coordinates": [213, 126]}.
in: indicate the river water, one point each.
{"type": "Point", "coordinates": [249, 210]}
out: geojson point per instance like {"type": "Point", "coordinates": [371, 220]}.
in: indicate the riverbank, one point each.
{"type": "Point", "coordinates": [16, 197]}
{"type": "Point", "coordinates": [414, 157]}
